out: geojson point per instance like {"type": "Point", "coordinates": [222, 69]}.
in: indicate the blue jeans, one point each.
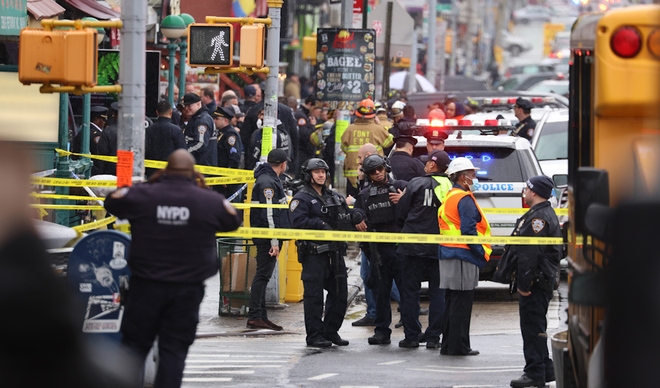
{"type": "Point", "coordinates": [369, 293]}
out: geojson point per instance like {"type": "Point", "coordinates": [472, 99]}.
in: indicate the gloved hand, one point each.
{"type": "Point", "coordinates": [326, 226]}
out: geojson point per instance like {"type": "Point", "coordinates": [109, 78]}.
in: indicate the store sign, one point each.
{"type": "Point", "coordinates": [13, 17]}
{"type": "Point", "coordinates": [346, 60]}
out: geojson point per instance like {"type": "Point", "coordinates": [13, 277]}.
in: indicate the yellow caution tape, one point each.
{"type": "Point", "coordinates": [65, 207]}
{"type": "Point", "coordinates": [72, 182]}
{"type": "Point", "coordinates": [95, 224]}
{"type": "Point", "coordinates": [227, 180]}
{"type": "Point", "coordinates": [212, 170]}
{"type": "Point", "coordinates": [559, 212]}
{"type": "Point", "coordinates": [400, 238]}
{"type": "Point", "coordinates": [71, 197]}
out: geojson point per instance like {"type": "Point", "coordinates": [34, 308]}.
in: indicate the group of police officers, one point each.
{"type": "Point", "coordinates": [441, 201]}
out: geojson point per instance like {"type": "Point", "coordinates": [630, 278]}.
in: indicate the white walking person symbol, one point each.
{"type": "Point", "coordinates": [219, 41]}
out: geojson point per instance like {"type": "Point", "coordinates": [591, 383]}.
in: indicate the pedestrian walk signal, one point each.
{"type": "Point", "coordinates": [210, 45]}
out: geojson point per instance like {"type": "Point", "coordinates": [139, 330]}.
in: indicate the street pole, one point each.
{"type": "Point", "coordinates": [132, 57]}
{"type": "Point", "coordinates": [411, 81]}
{"type": "Point", "coordinates": [172, 46]}
{"type": "Point", "coordinates": [63, 171]}
{"type": "Point", "coordinates": [182, 66]}
{"type": "Point", "coordinates": [430, 43]}
{"type": "Point", "coordinates": [386, 52]}
{"type": "Point", "coordinates": [273, 60]}
{"type": "Point", "coordinates": [347, 14]}
{"type": "Point", "coordinates": [87, 107]}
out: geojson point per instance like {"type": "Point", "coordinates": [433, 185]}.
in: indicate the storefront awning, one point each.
{"type": "Point", "coordinates": [94, 9]}
{"type": "Point", "coordinates": [42, 9]}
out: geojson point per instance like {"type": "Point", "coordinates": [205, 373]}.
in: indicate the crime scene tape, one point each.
{"type": "Point", "coordinates": [72, 182]}
{"type": "Point", "coordinates": [227, 180]}
{"type": "Point", "coordinates": [212, 170]}
{"type": "Point", "coordinates": [95, 224]}
{"type": "Point", "coordinates": [400, 238]}
{"type": "Point", "coordinates": [66, 207]}
{"type": "Point", "coordinates": [71, 197]}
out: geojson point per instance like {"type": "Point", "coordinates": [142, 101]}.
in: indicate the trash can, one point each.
{"type": "Point", "coordinates": [237, 263]}
{"type": "Point", "coordinates": [559, 346]}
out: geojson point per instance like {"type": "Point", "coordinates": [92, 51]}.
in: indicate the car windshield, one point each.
{"type": "Point", "coordinates": [496, 164]}
{"type": "Point", "coordinates": [554, 87]}
{"type": "Point", "coordinates": [553, 141]}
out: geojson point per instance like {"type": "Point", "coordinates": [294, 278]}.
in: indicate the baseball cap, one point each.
{"type": "Point", "coordinates": [524, 104]}
{"type": "Point", "coordinates": [278, 155]}
{"type": "Point", "coordinates": [441, 158]}
{"type": "Point", "coordinates": [250, 91]}
{"type": "Point", "coordinates": [191, 98]}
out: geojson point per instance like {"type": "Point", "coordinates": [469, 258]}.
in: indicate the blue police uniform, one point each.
{"type": "Point", "coordinates": [161, 139]}
{"type": "Point", "coordinates": [173, 251]}
{"type": "Point", "coordinates": [322, 261]}
{"type": "Point", "coordinates": [201, 136]}
{"type": "Point", "coordinates": [418, 213]}
{"type": "Point", "coordinates": [381, 217]}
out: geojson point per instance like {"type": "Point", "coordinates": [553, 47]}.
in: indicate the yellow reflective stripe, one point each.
{"type": "Point", "coordinates": [351, 173]}
{"type": "Point", "coordinates": [353, 148]}
{"type": "Point", "coordinates": [450, 224]}
{"type": "Point", "coordinates": [389, 141]}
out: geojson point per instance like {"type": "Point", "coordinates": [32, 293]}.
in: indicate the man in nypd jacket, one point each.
{"type": "Point", "coordinates": [267, 190]}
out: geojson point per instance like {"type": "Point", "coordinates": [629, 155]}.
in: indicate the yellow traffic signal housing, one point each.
{"type": "Point", "coordinates": [309, 48]}
{"type": "Point", "coordinates": [68, 58]}
{"type": "Point", "coordinates": [252, 45]}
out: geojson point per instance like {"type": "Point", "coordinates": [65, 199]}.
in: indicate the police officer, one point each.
{"type": "Point", "coordinates": [267, 190]}
{"type": "Point", "coordinates": [525, 128]}
{"type": "Point", "coordinates": [435, 140]}
{"type": "Point", "coordinates": [306, 127]}
{"type": "Point", "coordinates": [317, 207]}
{"type": "Point", "coordinates": [535, 278]}
{"type": "Point", "coordinates": [97, 120]}
{"type": "Point", "coordinates": [418, 213]}
{"type": "Point", "coordinates": [229, 141]}
{"type": "Point", "coordinates": [163, 136]}
{"type": "Point", "coordinates": [404, 166]}
{"type": "Point", "coordinates": [200, 132]}
{"type": "Point", "coordinates": [108, 141]}
{"type": "Point", "coordinates": [174, 222]}
{"type": "Point", "coordinates": [379, 203]}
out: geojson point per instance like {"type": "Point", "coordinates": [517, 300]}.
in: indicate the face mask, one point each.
{"type": "Point", "coordinates": [475, 185]}
{"type": "Point", "coordinates": [259, 123]}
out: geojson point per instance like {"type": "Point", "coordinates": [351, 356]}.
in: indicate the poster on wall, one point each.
{"type": "Point", "coordinates": [345, 66]}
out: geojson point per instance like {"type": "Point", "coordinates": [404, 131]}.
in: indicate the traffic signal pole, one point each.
{"type": "Point", "coordinates": [132, 61]}
{"type": "Point", "coordinates": [273, 60]}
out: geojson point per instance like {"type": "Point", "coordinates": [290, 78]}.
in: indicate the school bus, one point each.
{"type": "Point", "coordinates": [613, 192]}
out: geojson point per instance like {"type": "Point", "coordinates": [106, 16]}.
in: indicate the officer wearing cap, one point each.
{"type": "Point", "coordinates": [525, 128]}
{"type": "Point", "coordinates": [535, 279]}
{"type": "Point", "coordinates": [404, 166]}
{"type": "Point", "coordinates": [435, 140]}
{"type": "Point", "coordinates": [267, 190]}
{"type": "Point", "coordinates": [174, 219]}
{"type": "Point", "coordinates": [306, 127]}
{"type": "Point", "coordinates": [200, 132]}
{"type": "Point", "coordinates": [418, 213]}
{"type": "Point", "coordinates": [229, 141]}
{"type": "Point", "coordinates": [250, 93]}
{"type": "Point", "coordinates": [98, 118]}
{"type": "Point", "coordinates": [162, 137]}
{"type": "Point", "coordinates": [317, 207]}
{"type": "Point", "coordinates": [108, 141]}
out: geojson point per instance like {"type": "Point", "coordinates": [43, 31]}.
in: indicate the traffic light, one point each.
{"type": "Point", "coordinates": [210, 45]}
{"type": "Point", "coordinates": [252, 45]}
{"type": "Point", "coordinates": [65, 57]}
{"type": "Point", "coordinates": [309, 48]}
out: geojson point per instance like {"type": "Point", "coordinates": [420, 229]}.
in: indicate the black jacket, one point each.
{"type": "Point", "coordinates": [253, 152]}
{"type": "Point", "coordinates": [268, 190]}
{"type": "Point", "coordinates": [526, 128]}
{"type": "Point", "coordinates": [229, 147]}
{"type": "Point", "coordinates": [305, 129]}
{"type": "Point", "coordinates": [173, 224]}
{"type": "Point", "coordinates": [289, 125]}
{"type": "Point", "coordinates": [417, 212]}
{"type": "Point", "coordinates": [306, 211]}
{"type": "Point", "coordinates": [372, 194]}
{"type": "Point", "coordinates": [405, 167]}
{"type": "Point", "coordinates": [201, 136]}
{"type": "Point", "coordinates": [403, 127]}
{"type": "Point", "coordinates": [539, 221]}
{"type": "Point", "coordinates": [162, 138]}
{"type": "Point", "coordinates": [108, 146]}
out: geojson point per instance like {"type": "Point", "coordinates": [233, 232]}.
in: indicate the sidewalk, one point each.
{"type": "Point", "coordinates": [290, 315]}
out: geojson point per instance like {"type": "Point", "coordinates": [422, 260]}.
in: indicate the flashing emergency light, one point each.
{"type": "Point", "coordinates": [437, 123]}
{"type": "Point", "coordinates": [490, 122]}
{"type": "Point", "coordinates": [602, 7]}
{"type": "Point", "coordinates": [464, 122]}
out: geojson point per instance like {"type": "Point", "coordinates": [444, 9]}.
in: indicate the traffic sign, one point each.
{"type": "Point", "coordinates": [210, 45]}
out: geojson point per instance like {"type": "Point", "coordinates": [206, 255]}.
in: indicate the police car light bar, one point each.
{"type": "Point", "coordinates": [490, 122]}
{"type": "Point", "coordinates": [451, 122]}
{"type": "Point", "coordinates": [437, 123]}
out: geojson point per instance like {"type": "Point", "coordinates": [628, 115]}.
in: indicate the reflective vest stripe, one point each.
{"type": "Point", "coordinates": [442, 189]}
{"type": "Point", "coordinates": [450, 220]}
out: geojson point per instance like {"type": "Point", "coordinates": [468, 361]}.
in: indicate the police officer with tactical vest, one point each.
{"type": "Point", "coordinates": [379, 203]}
{"type": "Point", "coordinates": [460, 215]}
{"type": "Point", "coordinates": [535, 277]}
{"type": "Point", "coordinates": [418, 213]}
{"type": "Point", "coordinates": [317, 207]}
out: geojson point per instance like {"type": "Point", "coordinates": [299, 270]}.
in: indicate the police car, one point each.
{"type": "Point", "coordinates": [505, 163]}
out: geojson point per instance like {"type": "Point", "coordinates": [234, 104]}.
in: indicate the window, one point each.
{"type": "Point", "coordinates": [553, 141]}
{"type": "Point", "coordinates": [496, 164]}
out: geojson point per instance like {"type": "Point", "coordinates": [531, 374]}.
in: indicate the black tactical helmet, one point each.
{"type": "Point", "coordinates": [372, 163]}
{"type": "Point", "coordinates": [313, 164]}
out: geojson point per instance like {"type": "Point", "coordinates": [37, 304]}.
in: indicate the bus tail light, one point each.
{"type": "Point", "coordinates": [626, 42]}
{"type": "Point", "coordinates": [654, 43]}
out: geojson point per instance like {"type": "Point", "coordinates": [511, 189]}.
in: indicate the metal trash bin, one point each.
{"type": "Point", "coordinates": [237, 263]}
{"type": "Point", "coordinates": [559, 346]}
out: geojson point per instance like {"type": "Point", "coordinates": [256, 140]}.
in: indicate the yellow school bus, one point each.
{"type": "Point", "coordinates": [614, 168]}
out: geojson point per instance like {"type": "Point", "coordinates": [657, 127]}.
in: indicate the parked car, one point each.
{"type": "Point", "coordinates": [551, 86]}
{"type": "Point", "coordinates": [532, 13]}
{"type": "Point", "coordinates": [525, 81]}
{"type": "Point", "coordinates": [550, 142]}
{"type": "Point", "coordinates": [529, 68]}
{"type": "Point", "coordinates": [506, 162]}
{"type": "Point", "coordinates": [515, 45]}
